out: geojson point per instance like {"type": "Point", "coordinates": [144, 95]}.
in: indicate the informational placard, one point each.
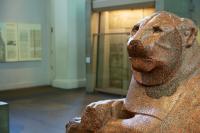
{"type": "Point", "coordinates": [20, 42]}
{"type": "Point", "coordinates": [8, 42]}
{"type": "Point", "coordinates": [11, 42]}
{"type": "Point", "coordinates": [29, 42]}
{"type": "Point", "coordinates": [2, 43]}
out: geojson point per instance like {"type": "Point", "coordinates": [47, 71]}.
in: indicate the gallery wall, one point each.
{"type": "Point", "coordinates": [29, 73]}
{"type": "Point", "coordinates": [63, 51]}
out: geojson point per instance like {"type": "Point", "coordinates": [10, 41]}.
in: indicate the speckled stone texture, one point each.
{"type": "Point", "coordinates": [163, 95]}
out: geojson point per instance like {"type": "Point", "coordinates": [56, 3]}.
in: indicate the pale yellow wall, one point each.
{"type": "Point", "coordinates": [125, 19]}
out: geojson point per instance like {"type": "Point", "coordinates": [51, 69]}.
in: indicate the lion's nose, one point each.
{"type": "Point", "coordinates": [136, 49]}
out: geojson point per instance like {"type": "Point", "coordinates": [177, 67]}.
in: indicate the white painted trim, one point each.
{"type": "Point", "coordinates": [99, 4]}
{"type": "Point", "coordinates": [20, 85]}
{"type": "Point", "coordinates": [69, 83]}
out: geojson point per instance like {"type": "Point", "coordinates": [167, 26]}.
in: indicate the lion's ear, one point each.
{"type": "Point", "coordinates": [188, 31]}
{"type": "Point", "coordinates": [192, 37]}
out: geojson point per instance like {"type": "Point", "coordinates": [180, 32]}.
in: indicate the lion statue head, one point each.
{"type": "Point", "coordinates": [157, 45]}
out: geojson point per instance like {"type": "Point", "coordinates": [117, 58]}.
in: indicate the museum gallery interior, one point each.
{"type": "Point", "coordinates": [99, 66]}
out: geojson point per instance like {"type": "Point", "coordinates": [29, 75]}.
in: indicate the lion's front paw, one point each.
{"type": "Point", "coordinates": [97, 114]}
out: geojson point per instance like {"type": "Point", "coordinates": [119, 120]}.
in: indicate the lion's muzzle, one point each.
{"type": "Point", "coordinates": [136, 49]}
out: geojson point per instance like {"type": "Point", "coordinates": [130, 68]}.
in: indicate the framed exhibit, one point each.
{"type": "Point", "coordinates": [20, 42]}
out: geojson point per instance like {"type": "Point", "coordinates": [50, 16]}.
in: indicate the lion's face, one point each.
{"type": "Point", "coordinates": [155, 46]}
{"type": "Point", "coordinates": [154, 43]}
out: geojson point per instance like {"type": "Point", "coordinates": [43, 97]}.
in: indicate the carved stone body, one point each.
{"type": "Point", "coordinates": [164, 93]}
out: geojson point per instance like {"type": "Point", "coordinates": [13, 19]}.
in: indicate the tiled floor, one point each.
{"type": "Point", "coordinates": [46, 109]}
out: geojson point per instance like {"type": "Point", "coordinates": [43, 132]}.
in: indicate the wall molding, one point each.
{"type": "Point", "coordinates": [100, 5]}
{"type": "Point", "coordinates": [69, 83]}
{"type": "Point", "coordinates": [20, 85]}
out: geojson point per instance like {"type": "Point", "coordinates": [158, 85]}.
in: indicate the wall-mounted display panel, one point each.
{"type": "Point", "coordinates": [8, 42]}
{"type": "Point", "coordinates": [2, 43]}
{"type": "Point", "coordinates": [29, 42]}
{"type": "Point", "coordinates": [20, 42]}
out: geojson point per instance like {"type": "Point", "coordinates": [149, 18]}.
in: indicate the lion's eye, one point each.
{"type": "Point", "coordinates": [135, 28]}
{"type": "Point", "coordinates": [157, 29]}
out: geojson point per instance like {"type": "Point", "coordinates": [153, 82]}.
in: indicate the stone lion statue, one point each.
{"type": "Point", "coordinates": [164, 93]}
